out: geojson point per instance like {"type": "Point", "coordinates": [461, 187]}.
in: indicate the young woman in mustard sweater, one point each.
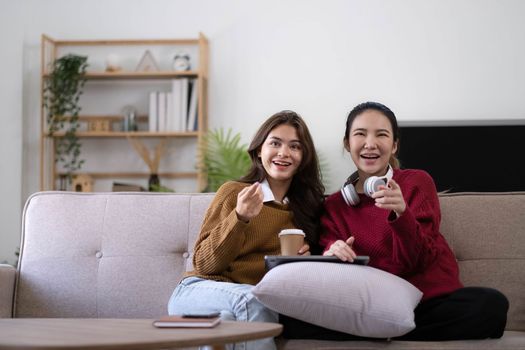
{"type": "Point", "coordinates": [281, 190]}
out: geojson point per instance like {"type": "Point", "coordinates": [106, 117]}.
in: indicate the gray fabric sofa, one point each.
{"type": "Point", "coordinates": [120, 255]}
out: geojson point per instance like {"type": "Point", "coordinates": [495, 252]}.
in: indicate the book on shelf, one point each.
{"type": "Point", "coordinates": [180, 93]}
{"type": "Point", "coordinates": [153, 117]}
{"type": "Point", "coordinates": [184, 103]}
{"type": "Point", "coordinates": [176, 96]}
{"type": "Point", "coordinates": [186, 322]}
{"type": "Point", "coordinates": [123, 187]}
{"type": "Point", "coordinates": [161, 110]}
{"type": "Point", "coordinates": [192, 111]}
{"type": "Point", "coordinates": [170, 110]}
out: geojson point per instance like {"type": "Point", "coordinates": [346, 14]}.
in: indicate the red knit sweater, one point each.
{"type": "Point", "coordinates": [410, 246]}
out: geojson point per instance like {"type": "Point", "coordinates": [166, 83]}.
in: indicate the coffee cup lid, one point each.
{"type": "Point", "coordinates": [292, 231]}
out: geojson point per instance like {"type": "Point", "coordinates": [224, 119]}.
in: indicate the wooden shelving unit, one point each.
{"type": "Point", "coordinates": [53, 49]}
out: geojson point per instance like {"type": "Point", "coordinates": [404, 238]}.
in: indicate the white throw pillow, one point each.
{"type": "Point", "coordinates": [359, 300]}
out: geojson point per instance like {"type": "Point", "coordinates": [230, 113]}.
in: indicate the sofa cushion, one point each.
{"type": "Point", "coordinates": [108, 255]}
{"type": "Point", "coordinates": [486, 231]}
{"type": "Point", "coordinates": [360, 300]}
{"type": "Point", "coordinates": [510, 341]}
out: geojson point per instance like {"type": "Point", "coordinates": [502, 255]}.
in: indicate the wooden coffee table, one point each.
{"type": "Point", "coordinates": [93, 333]}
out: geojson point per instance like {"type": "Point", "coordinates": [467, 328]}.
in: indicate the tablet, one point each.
{"type": "Point", "coordinates": [270, 261]}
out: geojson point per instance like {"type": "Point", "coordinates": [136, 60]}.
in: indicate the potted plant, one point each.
{"type": "Point", "coordinates": [152, 162]}
{"type": "Point", "coordinates": [224, 158]}
{"type": "Point", "coordinates": [62, 90]}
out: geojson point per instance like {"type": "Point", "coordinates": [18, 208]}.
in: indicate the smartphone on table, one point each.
{"type": "Point", "coordinates": [202, 315]}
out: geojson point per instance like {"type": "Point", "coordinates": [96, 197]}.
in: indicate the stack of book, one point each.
{"type": "Point", "coordinates": [174, 110]}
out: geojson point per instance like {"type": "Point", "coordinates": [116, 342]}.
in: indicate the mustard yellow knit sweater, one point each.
{"type": "Point", "coordinates": [230, 250]}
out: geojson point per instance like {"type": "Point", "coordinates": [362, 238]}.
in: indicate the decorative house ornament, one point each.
{"type": "Point", "coordinates": [147, 63]}
{"type": "Point", "coordinates": [181, 62]}
{"type": "Point", "coordinates": [82, 183]}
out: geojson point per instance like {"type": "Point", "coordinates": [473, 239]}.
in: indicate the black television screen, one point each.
{"type": "Point", "coordinates": [487, 158]}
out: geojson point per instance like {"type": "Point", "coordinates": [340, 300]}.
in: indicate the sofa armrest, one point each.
{"type": "Point", "coordinates": [7, 290]}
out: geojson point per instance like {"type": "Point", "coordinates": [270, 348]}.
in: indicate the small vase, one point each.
{"type": "Point", "coordinates": [153, 181]}
{"type": "Point", "coordinates": [62, 184]}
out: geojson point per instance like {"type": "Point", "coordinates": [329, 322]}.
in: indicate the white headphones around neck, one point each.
{"type": "Point", "coordinates": [370, 186]}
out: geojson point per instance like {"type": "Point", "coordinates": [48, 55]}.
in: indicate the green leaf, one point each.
{"type": "Point", "coordinates": [224, 157]}
{"type": "Point", "coordinates": [62, 90]}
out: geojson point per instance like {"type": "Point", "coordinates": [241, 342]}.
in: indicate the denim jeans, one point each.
{"type": "Point", "coordinates": [234, 301]}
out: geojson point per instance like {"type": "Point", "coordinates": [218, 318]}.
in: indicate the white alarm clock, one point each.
{"type": "Point", "coordinates": [181, 62]}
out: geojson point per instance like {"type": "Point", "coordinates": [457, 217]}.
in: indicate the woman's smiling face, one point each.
{"type": "Point", "coordinates": [371, 143]}
{"type": "Point", "coordinates": [281, 153]}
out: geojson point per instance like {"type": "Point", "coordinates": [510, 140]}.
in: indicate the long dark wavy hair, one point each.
{"type": "Point", "coordinates": [306, 192]}
{"type": "Point", "coordinates": [387, 112]}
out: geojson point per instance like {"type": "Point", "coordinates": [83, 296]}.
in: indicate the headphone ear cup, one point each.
{"type": "Point", "coordinates": [372, 184]}
{"type": "Point", "coordinates": [350, 195]}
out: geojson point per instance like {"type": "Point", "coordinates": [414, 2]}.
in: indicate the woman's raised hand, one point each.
{"type": "Point", "coordinates": [390, 197]}
{"type": "Point", "coordinates": [249, 202]}
{"type": "Point", "coordinates": [343, 250]}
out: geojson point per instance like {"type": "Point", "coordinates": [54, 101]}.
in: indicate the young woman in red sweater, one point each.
{"type": "Point", "coordinates": [398, 227]}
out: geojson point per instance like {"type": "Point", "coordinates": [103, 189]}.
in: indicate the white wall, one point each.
{"type": "Point", "coordinates": [12, 39]}
{"type": "Point", "coordinates": [427, 60]}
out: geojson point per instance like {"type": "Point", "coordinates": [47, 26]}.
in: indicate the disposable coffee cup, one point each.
{"type": "Point", "coordinates": [291, 241]}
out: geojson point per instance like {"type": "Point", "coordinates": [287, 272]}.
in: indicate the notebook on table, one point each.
{"type": "Point", "coordinates": [271, 261]}
{"type": "Point", "coordinates": [186, 322]}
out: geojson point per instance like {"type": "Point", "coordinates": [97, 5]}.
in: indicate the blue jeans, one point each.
{"type": "Point", "coordinates": [234, 301]}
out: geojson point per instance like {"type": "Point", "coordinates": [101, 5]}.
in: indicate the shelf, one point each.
{"type": "Point", "coordinates": [124, 42]}
{"type": "Point", "coordinates": [167, 175]}
{"type": "Point", "coordinates": [138, 75]}
{"type": "Point", "coordinates": [116, 134]}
